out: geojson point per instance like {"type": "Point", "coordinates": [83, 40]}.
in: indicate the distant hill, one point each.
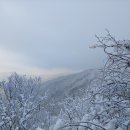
{"type": "Point", "coordinates": [70, 85]}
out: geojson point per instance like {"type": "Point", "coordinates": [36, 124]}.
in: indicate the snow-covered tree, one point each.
{"type": "Point", "coordinates": [109, 104]}
{"type": "Point", "coordinates": [114, 92]}
{"type": "Point", "coordinates": [20, 102]}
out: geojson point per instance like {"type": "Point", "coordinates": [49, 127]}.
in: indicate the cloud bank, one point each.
{"type": "Point", "coordinates": [50, 37]}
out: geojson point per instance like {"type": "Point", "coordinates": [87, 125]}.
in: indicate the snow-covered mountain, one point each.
{"type": "Point", "coordinates": [70, 85]}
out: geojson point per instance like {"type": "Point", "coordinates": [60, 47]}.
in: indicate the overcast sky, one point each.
{"type": "Point", "coordinates": [50, 37]}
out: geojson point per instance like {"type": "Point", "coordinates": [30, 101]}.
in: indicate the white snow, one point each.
{"type": "Point", "coordinates": [38, 128]}
{"type": "Point", "coordinates": [58, 124]}
{"type": "Point", "coordinates": [111, 125]}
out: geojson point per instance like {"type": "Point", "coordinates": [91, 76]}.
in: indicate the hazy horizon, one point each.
{"type": "Point", "coordinates": [51, 38]}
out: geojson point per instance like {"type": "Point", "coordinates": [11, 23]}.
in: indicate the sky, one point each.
{"type": "Point", "coordinates": [52, 37]}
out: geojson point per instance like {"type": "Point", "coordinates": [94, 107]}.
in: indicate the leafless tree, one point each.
{"type": "Point", "coordinates": [20, 102]}
{"type": "Point", "coordinates": [109, 107]}
{"type": "Point", "coordinates": [115, 88]}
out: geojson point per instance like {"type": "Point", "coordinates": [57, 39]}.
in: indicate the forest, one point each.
{"type": "Point", "coordinates": [74, 102]}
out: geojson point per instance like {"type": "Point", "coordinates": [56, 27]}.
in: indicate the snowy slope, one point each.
{"type": "Point", "coordinates": [70, 85]}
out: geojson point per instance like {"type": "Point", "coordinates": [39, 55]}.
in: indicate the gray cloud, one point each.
{"type": "Point", "coordinates": [57, 34]}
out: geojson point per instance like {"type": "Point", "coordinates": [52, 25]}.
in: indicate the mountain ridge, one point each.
{"type": "Point", "coordinates": [70, 85]}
